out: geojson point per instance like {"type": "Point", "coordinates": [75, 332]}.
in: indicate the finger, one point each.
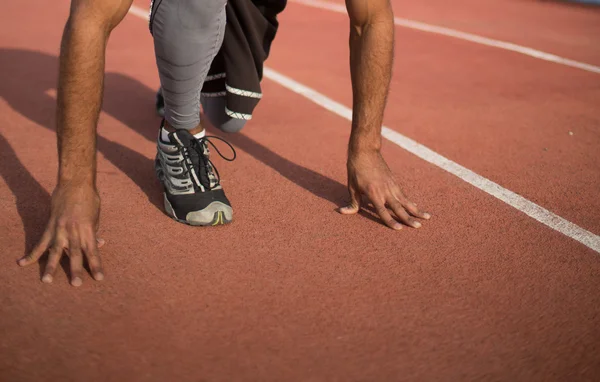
{"type": "Point", "coordinates": [76, 265]}
{"type": "Point", "coordinates": [93, 258]}
{"type": "Point", "coordinates": [95, 264]}
{"type": "Point", "coordinates": [38, 251]}
{"type": "Point", "coordinates": [386, 217]}
{"type": "Point", "coordinates": [398, 209]}
{"type": "Point", "coordinates": [354, 205]}
{"type": "Point", "coordinates": [415, 211]}
{"type": "Point", "coordinates": [54, 256]}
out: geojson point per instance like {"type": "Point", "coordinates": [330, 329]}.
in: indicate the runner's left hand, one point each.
{"type": "Point", "coordinates": [369, 175]}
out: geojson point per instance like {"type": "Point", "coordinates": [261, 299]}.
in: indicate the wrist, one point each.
{"type": "Point", "coordinates": [364, 143]}
{"type": "Point", "coordinates": [77, 165]}
{"type": "Point", "coordinates": [80, 177]}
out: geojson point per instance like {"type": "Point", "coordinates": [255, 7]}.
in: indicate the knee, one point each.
{"type": "Point", "coordinates": [96, 14]}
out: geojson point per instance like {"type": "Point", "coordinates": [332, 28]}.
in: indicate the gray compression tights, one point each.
{"type": "Point", "coordinates": [187, 36]}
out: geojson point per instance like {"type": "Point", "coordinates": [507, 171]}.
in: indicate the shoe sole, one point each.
{"type": "Point", "coordinates": [214, 214]}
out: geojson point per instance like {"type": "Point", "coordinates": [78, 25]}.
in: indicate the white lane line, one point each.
{"type": "Point", "coordinates": [340, 8]}
{"type": "Point", "coordinates": [531, 209]}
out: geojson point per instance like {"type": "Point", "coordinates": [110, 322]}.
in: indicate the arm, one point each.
{"type": "Point", "coordinates": [75, 202]}
{"type": "Point", "coordinates": [80, 85]}
{"type": "Point", "coordinates": [371, 58]}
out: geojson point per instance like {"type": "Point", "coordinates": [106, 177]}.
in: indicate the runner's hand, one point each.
{"type": "Point", "coordinates": [369, 175]}
{"type": "Point", "coordinates": [71, 230]}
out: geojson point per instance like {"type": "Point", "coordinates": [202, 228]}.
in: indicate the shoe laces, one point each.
{"type": "Point", "coordinates": [198, 148]}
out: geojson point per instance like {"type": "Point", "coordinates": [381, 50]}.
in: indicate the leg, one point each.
{"type": "Point", "coordinates": [187, 36]}
{"type": "Point", "coordinates": [159, 103]}
{"type": "Point", "coordinates": [214, 109]}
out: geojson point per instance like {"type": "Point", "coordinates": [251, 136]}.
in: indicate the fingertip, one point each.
{"type": "Point", "coordinates": [348, 210]}
{"type": "Point", "coordinates": [396, 226]}
{"type": "Point", "coordinates": [426, 215]}
{"type": "Point", "coordinates": [100, 242]}
{"type": "Point", "coordinates": [416, 224]}
{"type": "Point", "coordinates": [99, 276]}
{"type": "Point", "coordinates": [23, 261]}
{"type": "Point", "coordinates": [76, 281]}
{"type": "Point", "coordinates": [47, 279]}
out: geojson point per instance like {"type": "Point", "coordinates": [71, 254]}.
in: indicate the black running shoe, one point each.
{"type": "Point", "coordinates": [192, 190]}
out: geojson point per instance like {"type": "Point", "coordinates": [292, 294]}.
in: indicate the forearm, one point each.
{"type": "Point", "coordinates": [80, 86]}
{"type": "Point", "coordinates": [79, 97]}
{"type": "Point", "coordinates": [371, 56]}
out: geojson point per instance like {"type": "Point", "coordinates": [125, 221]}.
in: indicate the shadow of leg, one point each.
{"type": "Point", "coordinates": [28, 75]}
{"type": "Point", "coordinates": [320, 185]}
{"type": "Point", "coordinates": [136, 166]}
{"type": "Point", "coordinates": [124, 95]}
{"type": "Point", "coordinates": [32, 200]}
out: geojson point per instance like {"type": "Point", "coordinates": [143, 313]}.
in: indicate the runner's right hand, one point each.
{"type": "Point", "coordinates": [71, 230]}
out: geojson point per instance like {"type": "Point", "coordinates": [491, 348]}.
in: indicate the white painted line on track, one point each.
{"type": "Point", "coordinates": [340, 8]}
{"type": "Point", "coordinates": [531, 209]}
{"type": "Point", "coordinates": [516, 201]}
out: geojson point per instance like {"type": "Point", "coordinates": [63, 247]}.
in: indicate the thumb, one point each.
{"type": "Point", "coordinates": [354, 205]}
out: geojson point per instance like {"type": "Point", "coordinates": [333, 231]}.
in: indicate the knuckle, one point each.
{"type": "Point", "coordinates": [55, 251]}
{"type": "Point", "coordinates": [371, 189]}
{"type": "Point", "coordinates": [50, 268]}
{"type": "Point", "coordinates": [93, 258]}
{"type": "Point", "coordinates": [394, 203]}
{"type": "Point", "coordinates": [401, 198]}
{"type": "Point", "coordinates": [62, 222]}
{"type": "Point", "coordinates": [74, 248]}
{"type": "Point", "coordinates": [89, 242]}
{"type": "Point", "coordinates": [381, 210]}
{"type": "Point", "coordinates": [60, 242]}
{"type": "Point", "coordinates": [75, 254]}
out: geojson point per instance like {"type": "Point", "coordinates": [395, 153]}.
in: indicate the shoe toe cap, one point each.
{"type": "Point", "coordinates": [214, 214]}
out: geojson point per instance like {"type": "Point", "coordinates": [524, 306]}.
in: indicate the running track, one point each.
{"type": "Point", "coordinates": [292, 290]}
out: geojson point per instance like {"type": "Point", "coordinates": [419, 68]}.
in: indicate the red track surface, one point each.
{"type": "Point", "coordinates": [293, 291]}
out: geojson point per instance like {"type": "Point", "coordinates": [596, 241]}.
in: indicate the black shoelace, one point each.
{"type": "Point", "coordinates": [197, 146]}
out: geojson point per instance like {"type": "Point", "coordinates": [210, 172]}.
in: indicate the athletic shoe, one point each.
{"type": "Point", "coordinates": [192, 189]}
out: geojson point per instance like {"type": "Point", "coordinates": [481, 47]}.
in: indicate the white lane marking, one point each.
{"type": "Point", "coordinates": [516, 201]}
{"type": "Point", "coordinates": [531, 209]}
{"type": "Point", "coordinates": [340, 8]}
